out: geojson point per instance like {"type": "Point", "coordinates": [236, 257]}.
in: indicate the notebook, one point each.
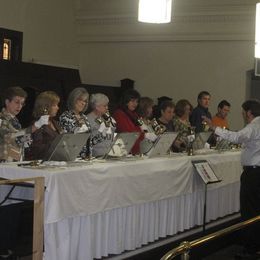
{"type": "Point", "coordinates": [66, 147]}
{"type": "Point", "coordinates": [162, 145]}
{"type": "Point", "coordinates": [122, 145]}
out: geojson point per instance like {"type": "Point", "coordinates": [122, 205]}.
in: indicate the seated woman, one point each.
{"type": "Point", "coordinates": [145, 110]}
{"type": "Point", "coordinates": [156, 108]}
{"type": "Point", "coordinates": [74, 120]}
{"type": "Point", "coordinates": [46, 103]}
{"type": "Point", "coordinates": [182, 124]}
{"type": "Point", "coordinates": [12, 137]}
{"type": "Point", "coordinates": [167, 114]}
{"type": "Point", "coordinates": [12, 141]}
{"type": "Point", "coordinates": [102, 125]}
{"type": "Point", "coordinates": [127, 118]}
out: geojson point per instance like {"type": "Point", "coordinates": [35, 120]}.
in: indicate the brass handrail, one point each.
{"type": "Point", "coordinates": [186, 246]}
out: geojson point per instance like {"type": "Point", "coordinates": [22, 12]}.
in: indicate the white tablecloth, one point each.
{"type": "Point", "coordinates": [106, 208]}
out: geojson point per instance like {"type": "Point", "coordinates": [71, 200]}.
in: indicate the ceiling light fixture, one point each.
{"type": "Point", "coordinates": [154, 11]}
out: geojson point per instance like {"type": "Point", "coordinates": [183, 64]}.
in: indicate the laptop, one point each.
{"type": "Point", "coordinates": [66, 147]}
{"type": "Point", "coordinates": [200, 140]}
{"type": "Point", "coordinates": [161, 146]}
{"type": "Point", "coordinates": [121, 145]}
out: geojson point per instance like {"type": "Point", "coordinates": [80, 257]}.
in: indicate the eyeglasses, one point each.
{"type": "Point", "coordinates": [82, 100]}
{"type": "Point", "coordinates": [18, 102]}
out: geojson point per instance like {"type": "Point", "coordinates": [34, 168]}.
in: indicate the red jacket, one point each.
{"type": "Point", "coordinates": [124, 123]}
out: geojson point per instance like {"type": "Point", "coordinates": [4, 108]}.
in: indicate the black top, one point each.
{"type": "Point", "coordinates": [196, 117]}
{"type": "Point", "coordinates": [169, 126]}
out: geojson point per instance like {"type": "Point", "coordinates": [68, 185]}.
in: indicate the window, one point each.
{"type": "Point", "coordinates": [7, 49]}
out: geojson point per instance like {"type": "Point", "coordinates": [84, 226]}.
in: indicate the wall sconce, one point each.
{"type": "Point", "coordinates": [154, 11]}
{"type": "Point", "coordinates": [257, 31]}
{"type": "Point", "coordinates": [257, 40]}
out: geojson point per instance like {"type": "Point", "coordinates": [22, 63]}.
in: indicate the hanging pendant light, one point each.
{"type": "Point", "coordinates": [154, 11]}
{"type": "Point", "coordinates": [257, 31]}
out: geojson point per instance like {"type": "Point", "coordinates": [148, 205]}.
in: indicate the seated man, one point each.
{"type": "Point", "coordinates": [220, 119]}
{"type": "Point", "coordinates": [201, 111]}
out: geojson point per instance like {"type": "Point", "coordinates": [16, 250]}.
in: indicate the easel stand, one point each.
{"type": "Point", "coordinates": [208, 177]}
{"type": "Point", "coordinates": [205, 206]}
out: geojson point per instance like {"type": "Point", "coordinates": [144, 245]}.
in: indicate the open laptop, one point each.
{"type": "Point", "coordinates": [161, 146]}
{"type": "Point", "coordinates": [200, 140]}
{"type": "Point", "coordinates": [66, 147]}
{"type": "Point", "coordinates": [121, 145]}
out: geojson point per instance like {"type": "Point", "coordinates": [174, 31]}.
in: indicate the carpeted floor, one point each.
{"type": "Point", "coordinates": [225, 253]}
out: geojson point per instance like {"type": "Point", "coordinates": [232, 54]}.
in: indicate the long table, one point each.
{"type": "Point", "coordinates": [103, 208]}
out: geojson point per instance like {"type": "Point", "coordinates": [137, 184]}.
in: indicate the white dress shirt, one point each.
{"type": "Point", "coordinates": [249, 137]}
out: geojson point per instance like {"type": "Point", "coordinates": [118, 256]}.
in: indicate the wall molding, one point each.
{"type": "Point", "coordinates": [164, 38]}
{"type": "Point", "coordinates": [210, 22]}
{"type": "Point", "coordinates": [124, 19]}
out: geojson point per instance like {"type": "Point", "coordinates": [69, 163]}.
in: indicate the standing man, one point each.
{"type": "Point", "coordinates": [201, 111]}
{"type": "Point", "coordinates": [220, 119]}
{"type": "Point", "coordinates": [249, 137]}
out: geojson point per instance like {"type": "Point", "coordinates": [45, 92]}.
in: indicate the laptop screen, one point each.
{"type": "Point", "coordinates": [201, 139]}
{"type": "Point", "coordinates": [162, 145]}
{"type": "Point", "coordinates": [122, 144]}
{"type": "Point", "coordinates": [66, 147]}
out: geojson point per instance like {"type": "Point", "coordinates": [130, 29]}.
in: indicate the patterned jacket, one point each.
{"type": "Point", "coordinates": [12, 137]}
{"type": "Point", "coordinates": [69, 123]}
{"type": "Point", "coordinates": [183, 129]}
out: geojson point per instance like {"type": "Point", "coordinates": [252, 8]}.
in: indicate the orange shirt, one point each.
{"type": "Point", "coordinates": [218, 121]}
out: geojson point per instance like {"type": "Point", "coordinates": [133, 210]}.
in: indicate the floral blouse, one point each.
{"type": "Point", "coordinates": [10, 147]}
{"type": "Point", "coordinates": [182, 127]}
{"type": "Point", "coordinates": [69, 123]}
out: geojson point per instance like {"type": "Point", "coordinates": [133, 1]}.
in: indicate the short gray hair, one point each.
{"type": "Point", "coordinates": [98, 99]}
{"type": "Point", "coordinates": [74, 95]}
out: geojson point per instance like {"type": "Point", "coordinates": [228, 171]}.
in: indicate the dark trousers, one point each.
{"type": "Point", "coordinates": [250, 206]}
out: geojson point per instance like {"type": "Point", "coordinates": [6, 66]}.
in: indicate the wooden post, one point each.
{"type": "Point", "coordinates": [38, 215]}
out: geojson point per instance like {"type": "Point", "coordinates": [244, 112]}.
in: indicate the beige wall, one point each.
{"type": "Point", "coordinates": [209, 45]}
{"type": "Point", "coordinates": [176, 69]}
{"type": "Point", "coordinates": [48, 29]}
